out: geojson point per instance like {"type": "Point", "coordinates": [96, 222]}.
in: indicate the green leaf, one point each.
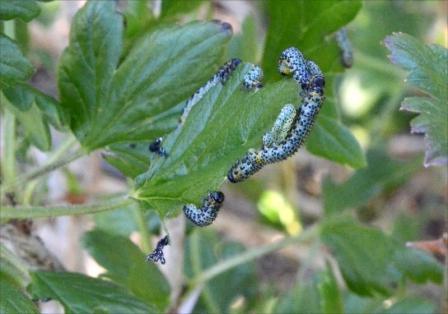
{"type": "Point", "coordinates": [12, 269]}
{"type": "Point", "coordinates": [381, 174]}
{"type": "Point", "coordinates": [14, 66]}
{"type": "Point", "coordinates": [428, 71]}
{"type": "Point", "coordinates": [371, 262]}
{"type": "Point", "coordinates": [203, 250]}
{"type": "Point", "coordinates": [306, 24]}
{"type": "Point", "coordinates": [303, 298]}
{"type": "Point", "coordinates": [14, 301]}
{"type": "Point", "coordinates": [81, 294]}
{"type": "Point", "coordinates": [135, 101]}
{"type": "Point", "coordinates": [33, 122]}
{"type": "Point", "coordinates": [131, 159]}
{"type": "Point", "coordinates": [219, 130]}
{"type": "Point", "coordinates": [25, 10]}
{"type": "Point", "coordinates": [330, 296]}
{"type": "Point", "coordinates": [411, 305]}
{"type": "Point", "coordinates": [332, 140]}
{"type": "Point", "coordinates": [119, 221]}
{"type": "Point", "coordinates": [246, 44]}
{"type": "Point", "coordinates": [173, 7]}
{"type": "Point", "coordinates": [126, 265]}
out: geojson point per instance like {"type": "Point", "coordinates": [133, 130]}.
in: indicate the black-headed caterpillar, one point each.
{"type": "Point", "coordinates": [206, 214]}
{"type": "Point", "coordinates": [221, 76]}
{"type": "Point", "coordinates": [291, 61]}
{"type": "Point", "coordinates": [157, 255]}
{"type": "Point", "coordinates": [253, 78]}
{"type": "Point", "coordinates": [346, 47]}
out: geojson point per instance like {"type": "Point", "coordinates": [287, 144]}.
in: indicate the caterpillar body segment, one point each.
{"type": "Point", "coordinates": [206, 214]}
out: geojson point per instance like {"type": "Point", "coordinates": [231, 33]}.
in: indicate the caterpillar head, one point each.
{"type": "Point", "coordinates": [292, 62]}
{"type": "Point", "coordinates": [252, 79]}
{"type": "Point", "coordinates": [216, 196]}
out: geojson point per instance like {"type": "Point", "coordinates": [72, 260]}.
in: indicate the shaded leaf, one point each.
{"type": "Point", "coordinates": [13, 301]}
{"type": "Point", "coordinates": [25, 10]}
{"type": "Point", "coordinates": [381, 174]}
{"type": "Point", "coordinates": [219, 130]}
{"type": "Point", "coordinates": [203, 250]}
{"type": "Point", "coordinates": [82, 294]}
{"type": "Point", "coordinates": [173, 7]}
{"type": "Point", "coordinates": [12, 268]}
{"type": "Point", "coordinates": [106, 104]}
{"type": "Point", "coordinates": [14, 66]}
{"type": "Point", "coordinates": [330, 296]}
{"type": "Point", "coordinates": [306, 24]}
{"type": "Point", "coordinates": [131, 159]}
{"type": "Point", "coordinates": [303, 298]}
{"type": "Point", "coordinates": [428, 71]}
{"type": "Point", "coordinates": [371, 262]}
{"type": "Point", "coordinates": [126, 265]}
{"type": "Point", "coordinates": [334, 141]}
{"type": "Point", "coordinates": [246, 44]}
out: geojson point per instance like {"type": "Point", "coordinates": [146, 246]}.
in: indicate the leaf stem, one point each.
{"type": "Point", "coordinates": [8, 162]}
{"type": "Point", "coordinates": [22, 212]}
{"type": "Point", "coordinates": [143, 228]}
{"type": "Point", "coordinates": [249, 255]}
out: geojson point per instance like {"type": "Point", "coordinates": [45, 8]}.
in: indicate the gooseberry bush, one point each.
{"type": "Point", "coordinates": [122, 82]}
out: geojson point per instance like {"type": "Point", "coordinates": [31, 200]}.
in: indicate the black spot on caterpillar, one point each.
{"type": "Point", "coordinates": [157, 255]}
{"type": "Point", "coordinates": [346, 47]}
{"type": "Point", "coordinates": [252, 79]}
{"type": "Point", "coordinates": [221, 76]}
{"type": "Point", "coordinates": [206, 214]}
{"type": "Point", "coordinates": [156, 147]}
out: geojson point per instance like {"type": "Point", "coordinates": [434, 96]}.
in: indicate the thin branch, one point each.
{"type": "Point", "coordinates": [22, 212]}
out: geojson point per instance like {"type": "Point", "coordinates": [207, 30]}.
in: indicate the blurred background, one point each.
{"type": "Point", "coordinates": [394, 192]}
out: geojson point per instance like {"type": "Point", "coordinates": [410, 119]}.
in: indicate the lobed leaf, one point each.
{"type": "Point", "coordinates": [82, 294]}
{"type": "Point", "coordinates": [372, 262]}
{"type": "Point", "coordinates": [428, 71]}
{"type": "Point", "coordinates": [110, 102]}
{"type": "Point", "coordinates": [219, 130]}
{"type": "Point", "coordinates": [14, 67]}
{"type": "Point", "coordinates": [126, 265]}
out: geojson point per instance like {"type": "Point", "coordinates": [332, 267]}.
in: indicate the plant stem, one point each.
{"type": "Point", "coordinates": [143, 228]}
{"type": "Point", "coordinates": [44, 170]}
{"type": "Point", "coordinates": [8, 162]}
{"type": "Point", "coordinates": [249, 255]}
{"type": "Point", "coordinates": [22, 212]}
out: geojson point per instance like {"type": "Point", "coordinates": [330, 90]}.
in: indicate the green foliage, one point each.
{"type": "Point", "coordinates": [14, 301]}
{"type": "Point", "coordinates": [14, 67]}
{"type": "Point", "coordinates": [383, 173]}
{"type": "Point", "coordinates": [331, 298]}
{"type": "Point", "coordinates": [25, 10]}
{"type": "Point", "coordinates": [125, 265]}
{"type": "Point", "coordinates": [81, 294]}
{"type": "Point", "coordinates": [212, 139]}
{"type": "Point", "coordinates": [203, 250]}
{"type": "Point", "coordinates": [303, 298]}
{"type": "Point", "coordinates": [174, 7]}
{"type": "Point", "coordinates": [428, 71]}
{"type": "Point", "coordinates": [372, 262]}
{"type": "Point", "coordinates": [107, 102]}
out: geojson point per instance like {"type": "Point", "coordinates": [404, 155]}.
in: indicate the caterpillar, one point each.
{"type": "Point", "coordinates": [156, 147]}
{"type": "Point", "coordinates": [157, 255]}
{"type": "Point", "coordinates": [221, 75]}
{"type": "Point", "coordinates": [206, 214]}
{"type": "Point", "coordinates": [282, 126]}
{"type": "Point", "coordinates": [313, 97]}
{"type": "Point", "coordinates": [346, 47]}
{"type": "Point", "coordinates": [252, 79]}
{"type": "Point", "coordinates": [291, 61]}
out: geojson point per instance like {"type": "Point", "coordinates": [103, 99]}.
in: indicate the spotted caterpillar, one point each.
{"type": "Point", "coordinates": [312, 84]}
{"type": "Point", "coordinates": [252, 79]}
{"type": "Point", "coordinates": [282, 126]}
{"type": "Point", "coordinates": [206, 214]}
{"type": "Point", "coordinates": [221, 76]}
{"type": "Point", "coordinates": [157, 255]}
{"type": "Point", "coordinates": [346, 47]}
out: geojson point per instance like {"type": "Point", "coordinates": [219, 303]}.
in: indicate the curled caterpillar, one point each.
{"type": "Point", "coordinates": [292, 62]}
{"type": "Point", "coordinates": [156, 147]}
{"type": "Point", "coordinates": [282, 126]}
{"type": "Point", "coordinates": [206, 214]}
{"type": "Point", "coordinates": [157, 255]}
{"type": "Point", "coordinates": [252, 79]}
{"type": "Point", "coordinates": [346, 47]}
{"type": "Point", "coordinates": [221, 76]}
{"type": "Point", "coordinates": [271, 152]}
